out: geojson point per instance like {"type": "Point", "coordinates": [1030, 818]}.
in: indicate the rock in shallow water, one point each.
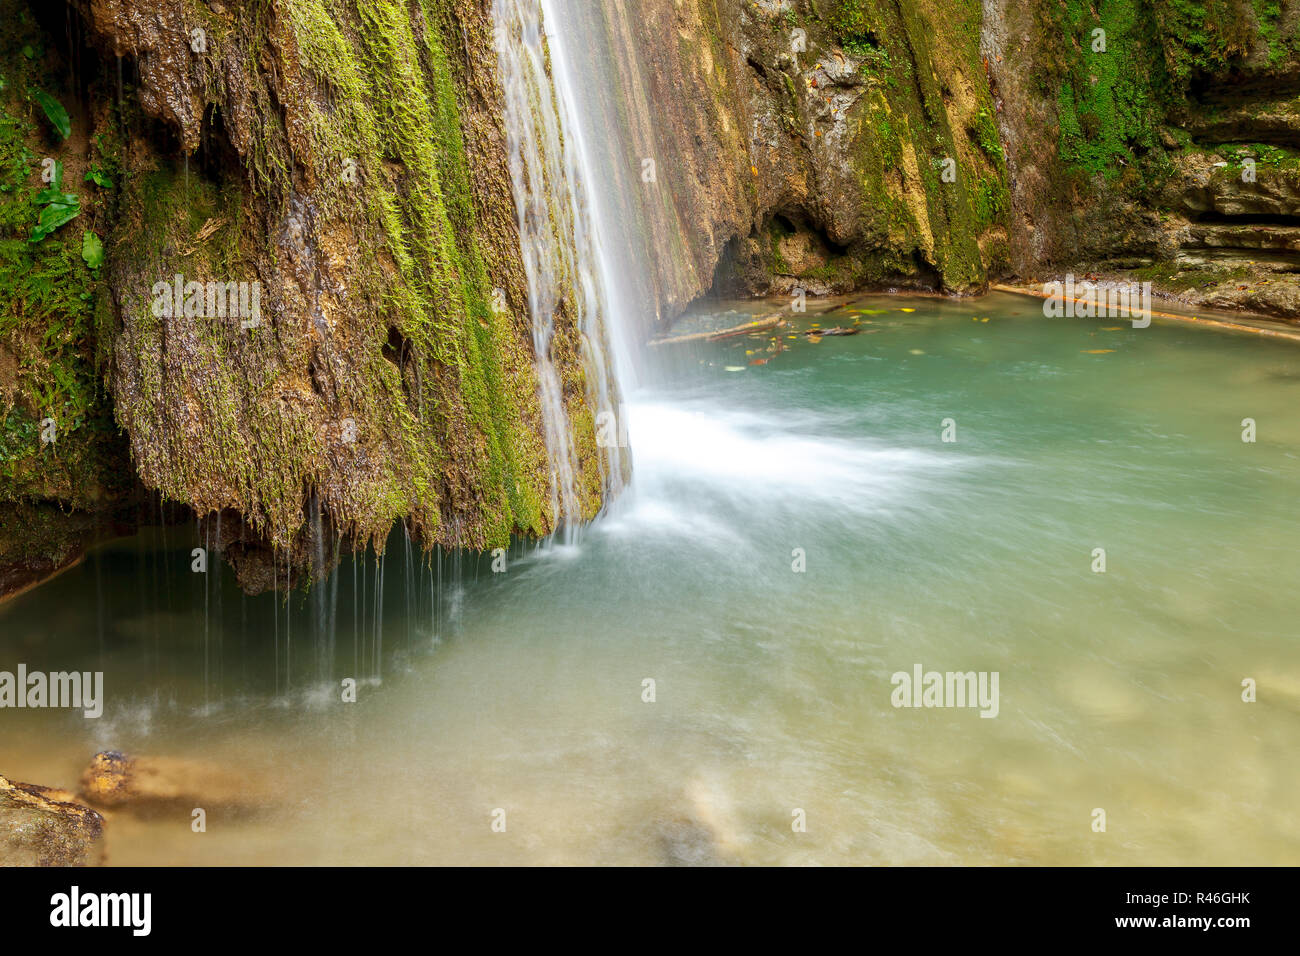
{"type": "Point", "coordinates": [165, 785]}
{"type": "Point", "coordinates": [40, 826]}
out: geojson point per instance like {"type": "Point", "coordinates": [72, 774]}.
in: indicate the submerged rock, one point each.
{"type": "Point", "coordinates": [41, 826]}
{"type": "Point", "coordinates": [165, 785]}
{"type": "Point", "coordinates": [703, 831]}
{"type": "Point", "coordinates": [688, 842]}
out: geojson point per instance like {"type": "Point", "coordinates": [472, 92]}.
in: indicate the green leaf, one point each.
{"type": "Point", "coordinates": [92, 250]}
{"type": "Point", "coordinates": [55, 112]}
{"type": "Point", "coordinates": [52, 195]}
{"type": "Point", "coordinates": [98, 177]}
{"type": "Point", "coordinates": [53, 216]}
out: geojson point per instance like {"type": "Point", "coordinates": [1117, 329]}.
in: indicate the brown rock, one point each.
{"type": "Point", "coordinates": [165, 785]}
{"type": "Point", "coordinates": [40, 826]}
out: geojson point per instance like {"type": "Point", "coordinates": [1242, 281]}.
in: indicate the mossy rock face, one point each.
{"type": "Point", "coordinates": [63, 460]}
{"type": "Point", "coordinates": [823, 146]}
{"type": "Point", "coordinates": [324, 185]}
{"type": "Point", "coordinates": [331, 166]}
{"type": "Point", "coordinates": [1162, 130]}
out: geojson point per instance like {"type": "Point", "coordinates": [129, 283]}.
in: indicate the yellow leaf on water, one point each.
{"type": "Point", "coordinates": [984, 320]}
{"type": "Point", "coordinates": [1098, 351]}
{"type": "Point", "coordinates": [1113, 328]}
{"type": "Point", "coordinates": [907, 310]}
{"type": "Point", "coordinates": [814, 339]}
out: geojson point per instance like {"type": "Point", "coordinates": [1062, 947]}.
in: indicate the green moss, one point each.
{"type": "Point", "coordinates": [48, 295]}
{"type": "Point", "coordinates": [775, 233]}
{"type": "Point", "coordinates": [991, 202]}
{"type": "Point", "coordinates": [983, 129]}
{"type": "Point", "coordinates": [1201, 36]}
{"type": "Point", "coordinates": [1107, 101]}
{"type": "Point", "coordinates": [909, 123]}
{"type": "Point", "coordinates": [1265, 155]}
{"type": "Point", "coordinates": [375, 138]}
{"type": "Point", "coordinates": [1169, 276]}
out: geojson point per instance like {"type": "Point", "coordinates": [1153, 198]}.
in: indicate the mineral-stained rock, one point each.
{"type": "Point", "coordinates": [40, 826]}
{"type": "Point", "coordinates": [151, 786]}
{"type": "Point", "coordinates": [1204, 184]}
{"type": "Point", "coordinates": [789, 151]}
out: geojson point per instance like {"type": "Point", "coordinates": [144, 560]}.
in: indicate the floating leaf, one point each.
{"type": "Point", "coordinates": [92, 250]}
{"type": "Point", "coordinates": [55, 112]}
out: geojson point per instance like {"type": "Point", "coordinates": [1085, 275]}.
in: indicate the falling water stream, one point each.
{"type": "Point", "coordinates": [558, 233]}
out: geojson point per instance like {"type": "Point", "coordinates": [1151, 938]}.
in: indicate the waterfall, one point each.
{"type": "Point", "coordinates": [560, 238]}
